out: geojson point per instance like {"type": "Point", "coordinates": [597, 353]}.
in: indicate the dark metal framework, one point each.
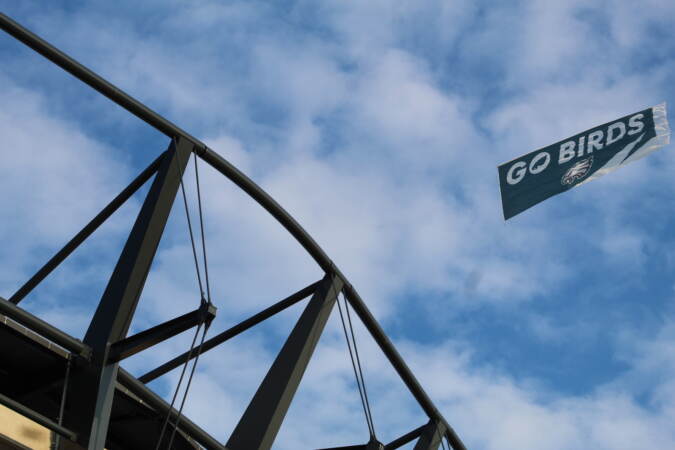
{"type": "Point", "coordinates": [109, 405]}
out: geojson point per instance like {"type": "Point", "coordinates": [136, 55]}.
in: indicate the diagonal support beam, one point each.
{"type": "Point", "coordinates": [408, 437]}
{"type": "Point", "coordinates": [348, 447]}
{"type": "Point", "coordinates": [431, 436]}
{"type": "Point", "coordinates": [91, 403]}
{"type": "Point", "coordinates": [87, 231]}
{"type": "Point", "coordinates": [373, 444]}
{"type": "Point", "coordinates": [138, 342]}
{"type": "Point", "coordinates": [260, 423]}
{"type": "Point", "coordinates": [118, 303]}
{"type": "Point", "coordinates": [248, 186]}
{"type": "Point", "coordinates": [231, 332]}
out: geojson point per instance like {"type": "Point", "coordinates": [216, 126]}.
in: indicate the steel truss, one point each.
{"type": "Point", "coordinates": [111, 408]}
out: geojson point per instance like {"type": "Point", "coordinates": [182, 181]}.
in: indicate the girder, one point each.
{"type": "Point", "coordinates": [98, 376]}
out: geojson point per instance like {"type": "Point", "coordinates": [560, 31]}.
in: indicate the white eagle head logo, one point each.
{"type": "Point", "coordinates": [578, 171]}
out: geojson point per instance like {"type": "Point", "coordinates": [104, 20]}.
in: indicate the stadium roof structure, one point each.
{"type": "Point", "coordinates": [110, 407]}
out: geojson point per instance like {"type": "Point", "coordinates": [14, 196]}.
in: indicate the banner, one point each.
{"type": "Point", "coordinates": [543, 173]}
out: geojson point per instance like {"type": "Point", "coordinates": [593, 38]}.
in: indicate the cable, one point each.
{"type": "Point", "coordinates": [371, 431]}
{"type": "Point", "coordinates": [192, 239]}
{"type": "Point", "coordinates": [358, 362]}
{"type": "Point", "coordinates": [206, 325]}
{"type": "Point", "coordinates": [187, 388]}
{"type": "Point", "coordinates": [57, 438]}
{"type": "Point", "coordinates": [356, 376]}
{"type": "Point", "coordinates": [175, 393]}
{"type": "Point", "coordinates": [202, 301]}
{"type": "Point", "coordinates": [201, 226]}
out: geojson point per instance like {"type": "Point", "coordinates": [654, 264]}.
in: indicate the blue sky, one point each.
{"type": "Point", "coordinates": [379, 125]}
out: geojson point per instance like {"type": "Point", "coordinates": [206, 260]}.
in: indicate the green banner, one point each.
{"type": "Point", "coordinates": [543, 173]}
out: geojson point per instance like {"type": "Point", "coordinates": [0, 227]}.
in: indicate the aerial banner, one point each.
{"type": "Point", "coordinates": [543, 173]}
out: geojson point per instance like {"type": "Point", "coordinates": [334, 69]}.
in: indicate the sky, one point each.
{"type": "Point", "coordinates": [379, 126]}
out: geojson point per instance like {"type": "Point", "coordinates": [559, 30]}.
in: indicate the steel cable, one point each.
{"type": "Point", "coordinates": [202, 301]}
{"type": "Point", "coordinates": [366, 411]}
{"type": "Point", "coordinates": [187, 387]}
{"type": "Point", "coordinates": [201, 226]}
{"type": "Point", "coordinates": [64, 392]}
{"type": "Point", "coordinates": [358, 363]}
{"type": "Point", "coordinates": [192, 238]}
{"type": "Point", "coordinates": [175, 393]}
{"type": "Point", "coordinates": [208, 291]}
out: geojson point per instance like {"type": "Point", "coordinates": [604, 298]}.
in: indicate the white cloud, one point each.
{"type": "Point", "coordinates": [491, 410]}
{"type": "Point", "coordinates": [404, 199]}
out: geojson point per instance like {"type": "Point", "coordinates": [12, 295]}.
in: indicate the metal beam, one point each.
{"type": "Point", "coordinates": [399, 364]}
{"type": "Point", "coordinates": [157, 403]}
{"type": "Point", "coordinates": [89, 77]}
{"type": "Point", "coordinates": [169, 129]}
{"type": "Point", "coordinates": [348, 447]}
{"type": "Point", "coordinates": [260, 423]}
{"type": "Point", "coordinates": [87, 231]}
{"type": "Point", "coordinates": [408, 437]}
{"type": "Point", "coordinates": [114, 313]}
{"type": "Point", "coordinates": [247, 185]}
{"type": "Point", "coordinates": [373, 444]}
{"type": "Point", "coordinates": [230, 333]}
{"type": "Point", "coordinates": [36, 417]}
{"type": "Point", "coordinates": [92, 401]}
{"type": "Point", "coordinates": [42, 328]}
{"type": "Point", "coordinates": [153, 336]}
{"type": "Point", "coordinates": [322, 259]}
{"type": "Point", "coordinates": [431, 436]}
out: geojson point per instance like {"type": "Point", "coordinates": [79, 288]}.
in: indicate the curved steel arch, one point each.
{"type": "Point", "coordinates": [437, 423]}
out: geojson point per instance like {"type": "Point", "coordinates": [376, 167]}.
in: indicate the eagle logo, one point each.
{"type": "Point", "coordinates": [578, 171]}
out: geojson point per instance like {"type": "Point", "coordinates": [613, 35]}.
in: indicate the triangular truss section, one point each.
{"type": "Point", "coordinates": [88, 399]}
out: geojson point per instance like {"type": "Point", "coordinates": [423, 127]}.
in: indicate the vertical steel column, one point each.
{"type": "Point", "coordinates": [431, 436]}
{"type": "Point", "coordinates": [260, 423]}
{"type": "Point", "coordinates": [95, 382]}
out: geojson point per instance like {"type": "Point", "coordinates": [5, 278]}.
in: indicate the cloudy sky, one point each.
{"type": "Point", "coordinates": [378, 125]}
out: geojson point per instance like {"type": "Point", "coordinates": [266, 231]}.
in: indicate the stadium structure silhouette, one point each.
{"type": "Point", "coordinates": [77, 389]}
